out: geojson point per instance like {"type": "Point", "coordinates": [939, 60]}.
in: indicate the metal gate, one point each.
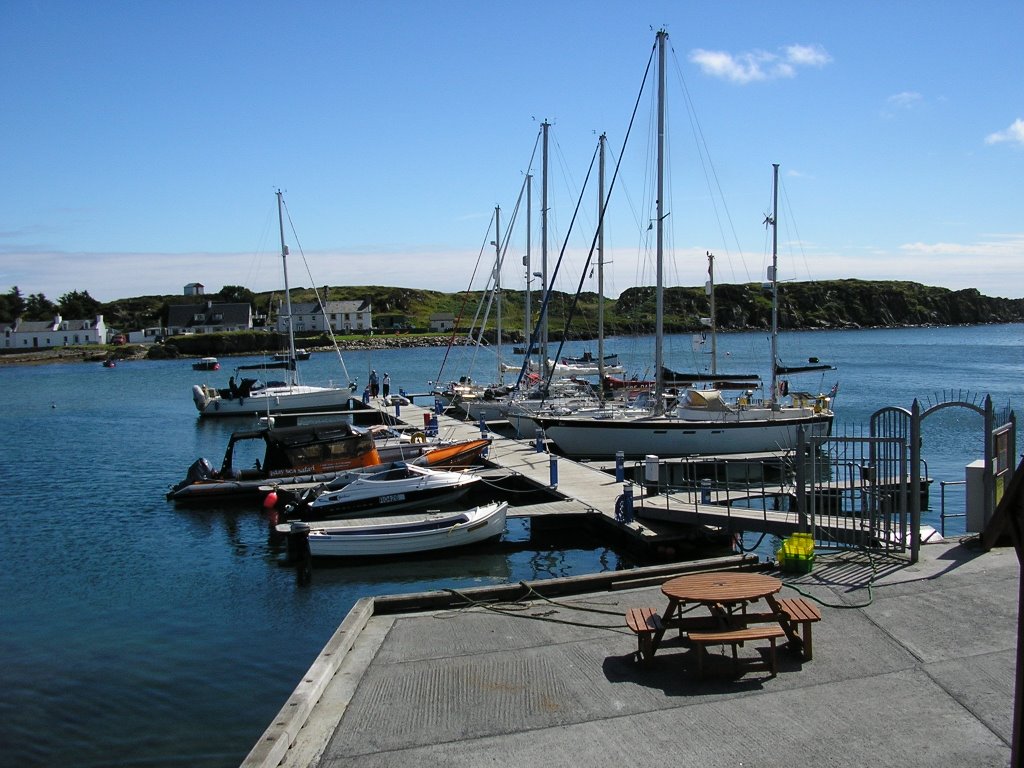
{"type": "Point", "coordinates": [856, 491]}
{"type": "Point", "coordinates": [869, 490]}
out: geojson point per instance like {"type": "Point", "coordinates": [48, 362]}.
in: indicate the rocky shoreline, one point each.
{"type": "Point", "coordinates": [155, 352]}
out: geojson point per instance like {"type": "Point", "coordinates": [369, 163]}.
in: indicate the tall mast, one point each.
{"type": "Point", "coordinates": [528, 309]}
{"type": "Point", "coordinates": [659, 328]}
{"type": "Point", "coordinates": [287, 293]}
{"type": "Point", "coordinates": [544, 252]}
{"type": "Point", "coordinates": [773, 276]}
{"type": "Point", "coordinates": [714, 326]}
{"type": "Point", "coordinates": [497, 285]}
{"type": "Point", "coordinates": [600, 269]}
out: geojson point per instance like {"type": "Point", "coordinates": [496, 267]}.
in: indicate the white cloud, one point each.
{"type": "Point", "coordinates": [905, 99]}
{"type": "Point", "coordinates": [807, 55]}
{"type": "Point", "coordinates": [1014, 134]}
{"type": "Point", "coordinates": [754, 66]}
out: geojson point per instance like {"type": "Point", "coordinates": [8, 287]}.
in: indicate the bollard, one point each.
{"type": "Point", "coordinates": [438, 408]}
{"type": "Point", "coordinates": [483, 427]}
{"type": "Point", "coordinates": [620, 466]}
{"type": "Point", "coordinates": [553, 470]}
{"type": "Point", "coordinates": [651, 472]}
{"type": "Point", "coordinates": [705, 491]}
{"type": "Point", "coordinates": [627, 503]}
{"type": "Point", "coordinates": [298, 542]}
{"type": "Point", "coordinates": [538, 441]}
{"type": "Point", "coordinates": [366, 396]}
{"type": "Point", "coordinates": [432, 429]}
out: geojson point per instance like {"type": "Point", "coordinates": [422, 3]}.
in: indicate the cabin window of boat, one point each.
{"type": "Point", "coordinates": [306, 454]}
{"type": "Point", "coordinates": [246, 453]}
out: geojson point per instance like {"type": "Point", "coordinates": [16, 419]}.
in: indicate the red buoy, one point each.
{"type": "Point", "coordinates": [270, 500]}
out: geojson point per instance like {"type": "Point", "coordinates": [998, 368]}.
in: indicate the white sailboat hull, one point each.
{"type": "Point", "coordinates": [408, 534]}
{"type": "Point", "coordinates": [291, 399]}
{"type": "Point", "coordinates": [667, 436]}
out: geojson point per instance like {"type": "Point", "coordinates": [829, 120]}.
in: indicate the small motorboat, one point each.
{"type": "Point", "coordinates": [307, 455]}
{"type": "Point", "coordinates": [402, 534]}
{"type": "Point", "coordinates": [109, 363]}
{"type": "Point", "coordinates": [365, 493]}
{"type": "Point", "coordinates": [206, 364]}
{"type": "Point", "coordinates": [282, 357]}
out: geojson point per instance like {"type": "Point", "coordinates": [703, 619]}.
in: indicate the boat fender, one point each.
{"type": "Point", "coordinates": [270, 500]}
{"type": "Point", "coordinates": [419, 437]}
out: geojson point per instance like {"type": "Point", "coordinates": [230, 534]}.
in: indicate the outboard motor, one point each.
{"type": "Point", "coordinates": [200, 470]}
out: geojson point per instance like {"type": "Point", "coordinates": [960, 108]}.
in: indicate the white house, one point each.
{"type": "Point", "coordinates": [208, 318]}
{"type": "Point", "coordinates": [344, 316]}
{"type": "Point", "coordinates": [146, 335]}
{"type": "Point", "coordinates": [195, 289]}
{"type": "Point", "coordinates": [46, 334]}
{"type": "Point", "coordinates": [442, 321]}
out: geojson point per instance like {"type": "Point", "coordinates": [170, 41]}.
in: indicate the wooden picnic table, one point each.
{"type": "Point", "coordinates": [718, 588]}
{"type": "Point", "coordinates": [726, 595]}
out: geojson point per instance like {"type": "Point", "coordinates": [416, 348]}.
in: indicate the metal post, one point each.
{"type": "Point", "coordinates": [538, 441]}
{"type": "Point", "coordinates": [627, 503]}
{"type": "Point", "coordinates": [801, 479]}
{"type": "Point", "coordinates": [553, 470]}
{"type": "Point", "coordinates": [620, 466]}
{"type": "Point", "coordinates": [988, 475]}
{"type": "Point", "coordinates": [915, 481]}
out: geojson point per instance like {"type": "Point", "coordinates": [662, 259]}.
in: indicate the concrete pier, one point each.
{"type": "Point", "coordinates": [914, 665]}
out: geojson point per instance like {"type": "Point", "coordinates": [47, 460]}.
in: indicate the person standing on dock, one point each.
{"type": "Point", "coordinates": [385, 384]}
{"type": "Point", "coordinates": [373, 383]}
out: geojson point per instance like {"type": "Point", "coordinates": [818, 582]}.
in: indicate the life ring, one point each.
{"type": "Point", "coordinates": [419, 437]}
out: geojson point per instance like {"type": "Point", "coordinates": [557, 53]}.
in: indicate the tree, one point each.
{"type": "Point", "coordinates": [38, 307]}
{"type": "Point", "coordinates": [12, 305]}
{"type": "Point", "coordinates": [78, 305]}
{"type": "Point", "coordinates": [236, 294]}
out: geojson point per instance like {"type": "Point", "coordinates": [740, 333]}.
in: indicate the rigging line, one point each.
{"type": "Point", "coordinates": [796, 231]}
{"type": "Point", "coordinates": [583, 274]}
{"type": "Point", "coordinates": [465, 302]}
{"type": "Point", "coordinates": [535, 334]}
{"type": "Point", "coordinates": [706, 163]}
{"type": "Point", "coordinates": [316, 293]}
{"type": "Point", "coordinates": [444, 360]}
{"type": "Point", "coordinates": [551, 282]}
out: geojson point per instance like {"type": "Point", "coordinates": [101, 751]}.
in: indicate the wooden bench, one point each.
{"type": "Point", "coordinates": [804, 613]}
{"type": "Point", "coordinates": [646, 623]}
{"type": "Point", "coordinates": [735, 637]}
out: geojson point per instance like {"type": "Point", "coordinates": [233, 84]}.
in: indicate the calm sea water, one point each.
{"type": "Point", "coordinates": [137, 633]}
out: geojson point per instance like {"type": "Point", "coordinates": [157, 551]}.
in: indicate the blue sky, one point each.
{"type": "Point", "coordinates": [143, 141]}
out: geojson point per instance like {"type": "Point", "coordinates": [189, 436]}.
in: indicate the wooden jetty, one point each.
{"type": "Point", "coordinates": [658, 520]}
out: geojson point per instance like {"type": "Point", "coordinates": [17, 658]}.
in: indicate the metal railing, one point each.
{"type": "Point", "coordinates": [942, 504]}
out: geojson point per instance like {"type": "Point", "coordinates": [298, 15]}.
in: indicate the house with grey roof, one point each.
{"type": "Point", "coordinates": [46, 334]}
{"type": "Point", "coordinates": [442, 321]}
{"type": "Point", "coordinates": [339, 316]}
{"type": "Point", "coordinates": [183, 319]}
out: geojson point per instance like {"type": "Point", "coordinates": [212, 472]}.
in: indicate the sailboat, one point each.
{"type": "Point", "coordinates": [700, 421]}
{"type": "Point", "coordinates": [252, 396]}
